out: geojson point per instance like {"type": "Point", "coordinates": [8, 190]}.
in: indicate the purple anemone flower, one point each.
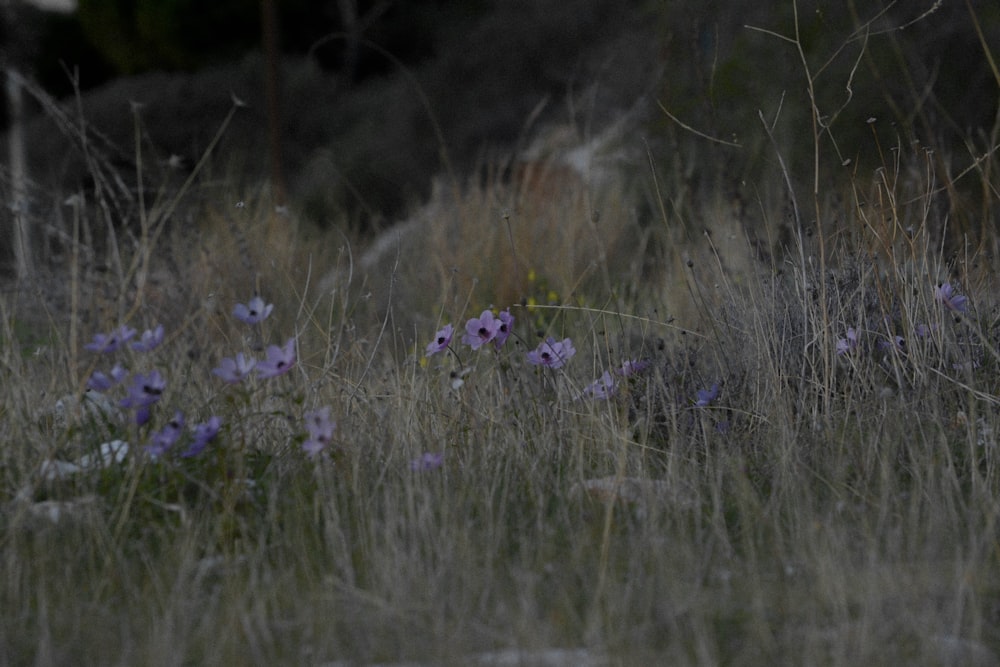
{"type": "Point", "coordinates": [279, 360]}
{"type": "Point", "coordinates": [633, 367]}
{"type": "Point", "coordinates": [481, 330]}
{"type": "Point", "coordinates": [203, 434]}
{"type": "Point", "coordinates": [150, 340]}
{"type": "Point", "coordinates": [233, 370]}
{"type": "Point", "coordinates": [845, 345]}
{"type": "Point", "coordinates": [100, 382]}
{"type": "Point", "coordinates": [945, 294]}
{"type": "Point", "coordinates": [321, 429]}
{"type": "Point", "coordinates": [552, 353]}
{"type": "Point", "coordinates": [254, 312]}
{"type": "Point", "coordinates": [165, 438]}
{"type": "Point", "coordinates": [506, 326]}
{"type": "Point", "coordinates": [145, 390]}
{"type": "Point", "coordinates": [110, 342]}
{"type": "Point", "coordinates": [600, 389]}
{"type": "Point", "coordinates": [706, 396]}
{"type": "Point", "coordinates": [442, 339]}
{"type": "Point", "coordinates": [898, 343]}
{"type": "Point", "coordinates": [427, 461]}
{"type": "Point", "coordinates": [142, 416]}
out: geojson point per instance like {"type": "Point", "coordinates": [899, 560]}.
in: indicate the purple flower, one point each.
{"type": "Point", "coordinates": [254, 312]}
{"type": "Point", "coordinates": [427, 461]}
{"type": "Point", "coordinates": [279, 360]}
{"type": "Point", "coordinates": [145, 390]}
{"type": "Point", "coordinates": [706, 396]}
{"type": "Point", "coordinates": [845, 345]}
{"type": "Point", "coordinates": [442, 339]}
{"type": "Point", "coordinates": [506, 326]}
{"type": "Point", "coordinates": [481, 330]}
{"type": "Point", "coordinates": [100, 382]}
{"type": "Point", "coordinates": [897, 343]}
{"type": "Point", "coordinates": [600, 389]}
{"type": "Point", "coordinates": [552, 353]}
{"type": "Point", "coordinates": [203, 434]}
{"type": "Point", "coordinates": [142, 416]}
{"type": "Point", "coordinates": [633, 367]}
{"type": "Point", "coordinates": [234, 370]}
{"type": "Point", "coordinates": [150, 340]}
{"type": "Point", "coordinates": [165, 438]}
{"type": "Point", "coordinates": [104, 343]}
{"type": "Point", "coordinates": [945, 294]}
{"type": "Point", "coordinates": [320, 428]}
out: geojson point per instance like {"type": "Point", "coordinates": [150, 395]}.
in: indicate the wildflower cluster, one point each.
{"type": "Point", "coordinates": [479, 331]}
{"type": "Point", "coordinates": [551, 353]}
{"type": "Point", "coordinates": [491, 329]}
{"type": "Point", "coordinates": [944, 294]}
{"type": "Point", "coordinates": [145, 390]}
{"type": "Point", "coordinates": [899, 351]}
{"type": "Point", "coordinates": [496, 329]}
{"type": "Point", "coordinates": [279, 360]}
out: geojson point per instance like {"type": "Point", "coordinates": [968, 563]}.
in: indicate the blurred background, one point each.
{"type": "Point", "coordinates": [373, 98]}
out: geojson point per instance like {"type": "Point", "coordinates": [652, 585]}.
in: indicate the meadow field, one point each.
{"type": "Point", "coordinates": [555, 419]}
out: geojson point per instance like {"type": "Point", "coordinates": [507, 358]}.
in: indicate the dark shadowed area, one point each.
{"type": "Point", "coordinates": [375, 98]}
